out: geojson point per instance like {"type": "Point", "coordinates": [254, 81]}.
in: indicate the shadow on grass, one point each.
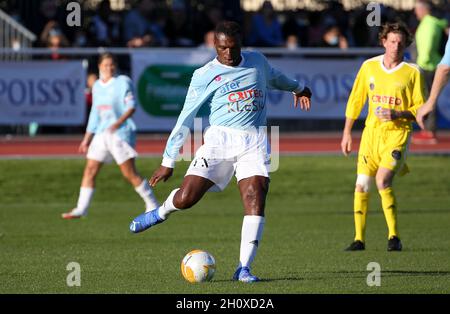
{"type": "Point", "coordinates": [266, 279]}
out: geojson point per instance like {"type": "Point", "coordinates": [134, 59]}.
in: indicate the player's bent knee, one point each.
{"type": "Point", "coordinates": [184, 200]}
{"type": "Point", "coordinates": [363, 183]}
{"type": "Point", "coordinates": [383, 183]}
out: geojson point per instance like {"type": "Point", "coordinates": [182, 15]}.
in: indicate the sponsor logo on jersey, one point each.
{"type": "Point", "coordinates": [386, 100]}
{"type": "Point", "coordinates": [229, 86]}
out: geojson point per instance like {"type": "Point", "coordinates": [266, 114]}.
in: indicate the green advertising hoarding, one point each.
{"type": "Point", "coordinates": [162, 89]}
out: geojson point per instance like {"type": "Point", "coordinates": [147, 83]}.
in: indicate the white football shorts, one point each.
{"type": "Point", "coordinates": [227, 151]}
{"type": "Point", "coordinates": [107, 146]}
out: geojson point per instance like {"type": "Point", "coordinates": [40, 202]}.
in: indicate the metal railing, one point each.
{"type": "Point", "coordinates": [14, 37]}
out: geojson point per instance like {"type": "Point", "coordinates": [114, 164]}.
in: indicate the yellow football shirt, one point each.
{"type": "Point", "coordinates": [401, 88]}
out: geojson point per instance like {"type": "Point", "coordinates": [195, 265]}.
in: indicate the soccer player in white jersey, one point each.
{"type": "Point", "coordinates": [234, 85]}
{"type": "Point", "coordinates": [110, 134]}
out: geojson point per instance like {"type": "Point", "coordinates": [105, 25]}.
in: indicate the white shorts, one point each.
{"type": "Point", "coordinates": [228, 151]}
{"type": "Point", "coordinates": [107, 146]}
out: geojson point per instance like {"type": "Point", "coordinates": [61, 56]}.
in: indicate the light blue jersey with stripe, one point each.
{"type": "Point", "coordinates": [236, 97]}
{"type": "Point", "coordinates": [446, 58]}
{"type": "Point", "coordinates": [110, 101]}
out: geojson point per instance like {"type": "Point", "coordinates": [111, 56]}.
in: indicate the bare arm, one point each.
{"type": "Point", "coordinates": [440, 80]}
{"type": "Point", "coordinates": [84, 145]}
{"type": "Point", "coordinates": [346, 142]}
{"type": "Point", "coordinates": [122, 119]}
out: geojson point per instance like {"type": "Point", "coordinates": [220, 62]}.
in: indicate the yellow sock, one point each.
{"type": "Point", "coordinates": [361, 201]}
{"type": "Point", "coordinates": [390, 210]}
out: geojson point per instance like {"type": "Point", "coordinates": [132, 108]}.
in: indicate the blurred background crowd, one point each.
{"type": "Point", "coordinates": [189, 23]}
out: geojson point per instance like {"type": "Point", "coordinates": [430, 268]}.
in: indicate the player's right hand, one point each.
{"type": "Point", "coordinates": [83, 148]}
{"type": "Point", "coordinates": [423, 112]}
{"type": "Point", "coordinates": [346, 144]}
{"type": "Point", "coordinates": [163, 173]}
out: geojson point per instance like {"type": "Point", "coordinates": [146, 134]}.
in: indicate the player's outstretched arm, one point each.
{"type": "Point", "coordinates": [162, 173]}
{"type": "Point", "coordinates": [440, 80]}
{"type": "Point", "coordinates": [304, 98]}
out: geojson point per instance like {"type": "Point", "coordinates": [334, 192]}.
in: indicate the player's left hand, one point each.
{"type": "Point", "coordinates": [113, 128]}
{"type": "Point", "coordinates": [304, 98]}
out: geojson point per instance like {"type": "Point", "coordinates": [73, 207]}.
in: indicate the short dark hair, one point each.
{"type": "Point", "coordinates": [229, 28]}
{"type": "Point", "coordinates": [397, 27]}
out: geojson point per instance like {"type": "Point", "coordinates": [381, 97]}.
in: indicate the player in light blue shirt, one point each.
{"type": "Point", "coordinates": [112, 100]}
{"type": "Point", "coordinates": [440, 80]}
{"type": "Point", "coordinates": [110, 134]}
{"type": "Point", "coordinates": [234, 85]}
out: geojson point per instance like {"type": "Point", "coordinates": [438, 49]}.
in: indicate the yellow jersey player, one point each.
{"type": "Point", "coordinates": [394, 89]}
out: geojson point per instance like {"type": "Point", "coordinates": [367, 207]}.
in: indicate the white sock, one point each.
{"type": "Point", "coordinates": [167, 207]}
{"type": "Point", "coordinates": [84, 199]}
{"type": "Point", "coordinates": [252, 229]}
{"type": "Point", "coordinates": [146, 192]}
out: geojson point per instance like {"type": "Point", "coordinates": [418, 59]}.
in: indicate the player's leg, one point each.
{"type": "Point", "coordinates": [367, 166]}
{"type": "Point", "coordinates": [191, 191]}
{"type": "Point", "coordinates": [141, 186]}
{"type": "Point", "coordinates": [393, 157]}
{"type": "Point", "coordinates": [87, 189]}
{"type": "Point", "coordinates": [207, 171]}
{"type": "Point", "coordinates": [360, 207]}
{"type": "Point", "coordinates": [384, 179]}
{"type": "Point", "coordinates": [253, 194]}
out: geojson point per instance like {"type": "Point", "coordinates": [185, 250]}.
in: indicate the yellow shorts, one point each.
{"type": "Point", "coordinates": [383, 148]}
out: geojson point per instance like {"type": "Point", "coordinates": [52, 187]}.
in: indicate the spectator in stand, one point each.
{"type": "Point", "coordinates": [139, 31]}
{"type": "Point", "coordinates": [292, 42]}
{"type": "Point", "coordinates": [333, 38]}
{"type": "Point", "coordinates": [54, 38]}
{"type": "Point", "coordinates": [104, 29]}
{"type": "Point", "coordinates": [179, 28]}
{"type": "Point", "coordinates": [265, 30]}
{"type": "Point", "coordinates": [206, 21]}
{"type": "Point", "coordinates": [296, 27]}
{"type": "Point", "coordinates": [208, 40]}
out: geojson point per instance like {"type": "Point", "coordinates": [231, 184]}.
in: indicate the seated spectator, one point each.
{"type": "Point", "coordinates": [296, 25]}
{"type": "Point", "coordinates": [292, 42]}
{"type": "Point", "coordinates": [104, 29]}
{"type": "Point", "coordinates": [333, 38]}
{"type": "Point", "coordinates": [265, 29]}
{"type": "Point", "coordinates": [139, 31]}
{"type": "Point", "coordinates": [208, 40]}
{"type": "Point", "coordinates": [179, 28]}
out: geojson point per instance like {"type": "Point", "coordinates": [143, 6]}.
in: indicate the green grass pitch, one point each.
{"type": "Point", "coordinates": [309, 221]}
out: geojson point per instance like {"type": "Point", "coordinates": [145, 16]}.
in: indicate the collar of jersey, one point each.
{"type": "Point", "coordinates": [112, 79]}
{"type": "Point", "coordinates": [398, 66]}
{"type": "Point", "coordinates": [215, 61]}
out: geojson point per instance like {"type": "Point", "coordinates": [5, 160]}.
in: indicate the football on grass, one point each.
{"type": "Point", "coordinates": [198, 266]}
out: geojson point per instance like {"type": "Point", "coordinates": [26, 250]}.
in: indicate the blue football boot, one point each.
{"type": "Point", "coordinates": [243, 274]}
{"type": "Point", "coordinates": [145, 221]}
